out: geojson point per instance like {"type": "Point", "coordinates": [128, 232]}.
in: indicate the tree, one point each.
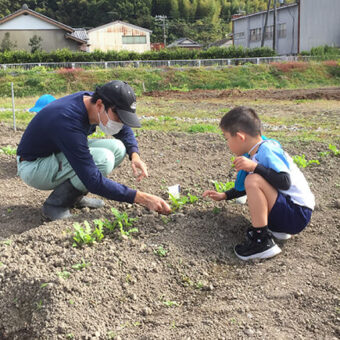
{"type": "Point", "coordinates": [7, 44]}
{"type": "Point", "coordinates": [35, 43]}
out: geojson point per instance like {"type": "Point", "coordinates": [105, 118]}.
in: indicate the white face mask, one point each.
{"type": "Point", "coordinates": [111, 127]}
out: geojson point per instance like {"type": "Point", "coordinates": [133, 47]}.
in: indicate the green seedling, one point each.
{"type": "Point", "coordinates": [232, 158]}
{"type": "Point", "coordinates": [192, 198]}
{"type": "Point", "coordinates": [302, 162]}
{"type": "Point", "coordinates": [216, 210]}
{"type": "Point", "coordinates": [8, 150]}
{"type": "Point", "coordinates": [1, 264]}
{"type": "Point", "coordinates": [69, 336]}
{"type": "Point", "coordinates": [111, 335]}
{"type": "Point", "coordinates": [86, 235]}
{"type": "Point", "coordinates": [223, 187]}
{"type": "Point", "coordinates": [165, 220]}
{"type": "Point", "coordinates": [171, 303]}
{"type": "Point", "coordinates": [39, 304]}
{"type": "Point", "coordinates": [199, 285]}
{"type": "Point", "coordinates": [7, 242]}
{"type": "Point", "coordinates": [64, 274]}
{"type": "Point", "coordinates": [71, 302]}
{"type": "Point", "coordinates": [333, 151]}
{"type": "Point", "coordinates": [122, 220]}
{"type": "Point", "coordinates": [43, 285]}
{"type": "Point", "coordinates": [82, 265]}
{"type": "Point", "coordinates": [160, 251]}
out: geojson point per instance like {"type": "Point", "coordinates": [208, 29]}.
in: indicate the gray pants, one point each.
{"type": "Point", "coordinates": [48, 172]}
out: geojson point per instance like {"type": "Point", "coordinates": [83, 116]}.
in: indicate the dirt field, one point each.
{"type": "Point", "coordinates": [199, 289]}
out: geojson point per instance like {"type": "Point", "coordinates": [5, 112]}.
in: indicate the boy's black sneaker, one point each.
{"type": "Point", "coordinates": [257, 248]}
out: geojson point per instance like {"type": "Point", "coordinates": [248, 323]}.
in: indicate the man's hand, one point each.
{"type": "Point", "coordinates": [216, 196]}
{"type": "Point", "coordinates": [152, 202]}
{"type": "Point", "coordinates": [137, 163]}
{"type": "Point", "coordinates": [244, 163]}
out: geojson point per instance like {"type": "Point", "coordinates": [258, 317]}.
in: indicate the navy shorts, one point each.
{"type": "Point", "coordinates": [288, 217]}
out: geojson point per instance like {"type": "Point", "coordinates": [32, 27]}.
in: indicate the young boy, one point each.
{"type": "Point", "coordinates": [279, 198]}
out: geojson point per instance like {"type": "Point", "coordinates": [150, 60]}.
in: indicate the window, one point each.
{"type": "Point", "coordinates": [134, 39]}
{"type": "Point", "coordinates": [282, 31]}
{"type": "Point", "coordinates": [268, 34]}
{"type": "Point", "coordinates": [255, 34]}
{"type": "Point", "coordinates": [239, 35]}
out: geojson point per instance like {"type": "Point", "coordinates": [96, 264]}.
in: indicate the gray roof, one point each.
{"type": "Point", "coordinates": [80, 33]}
{"type": "Point", "coordinates": [184, 42]}
{"type": "Point", "coordinates": [259, 13]}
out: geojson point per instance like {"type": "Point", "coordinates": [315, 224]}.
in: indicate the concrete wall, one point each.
{"type": "Point", "coordinates": [52, 39]}
{"type": "Point", "coordinates": [109, 37]}
{"type": "Point", "coordinates": [284, 45]}
{"type": "Point", "coordinates": [320, 23]}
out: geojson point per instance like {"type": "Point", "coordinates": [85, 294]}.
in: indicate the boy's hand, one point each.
{"type": "Point", "coordinates": [244, 163]}
{"type": "Point", "coordinates": [216, 196]}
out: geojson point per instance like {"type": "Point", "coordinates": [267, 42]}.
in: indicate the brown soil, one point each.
{"type": "Point", "coordinates": [122, 293]}
{"type": "Point", "coordinates": [295, 94]}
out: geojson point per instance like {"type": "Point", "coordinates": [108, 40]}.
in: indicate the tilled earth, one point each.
{"type": "Point", "coordinates": [199, 289]}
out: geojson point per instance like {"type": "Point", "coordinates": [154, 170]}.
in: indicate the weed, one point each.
{"type": "Point", "coordinates": [202, 128]}
{"type": "Point", "coordinates": [80, 266]}
{"type": "Point", "coordinates": [302, 162]}
{"type": "Point", "coordinates": [223, 187]}
{"type": "Point", "coordinates": [160, 251]}
{"type": "Point", "coordinates": [8, 150]}
{"type": "Point", "coordinates": [169, 303]}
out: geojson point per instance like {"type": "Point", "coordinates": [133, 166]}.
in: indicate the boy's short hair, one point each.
{"type": "Point", "coordinates": [243, 119]}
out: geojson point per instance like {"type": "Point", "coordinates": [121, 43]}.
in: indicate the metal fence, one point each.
{"type": "Point", "coordinates": [165, 63]}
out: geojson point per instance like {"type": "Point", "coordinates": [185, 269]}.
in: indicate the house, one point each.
{"type": "Point", "coordinates": [226, 42]}
{"type": "Point", "coordinates": [185, 43]}
{"type": "Point", "coordinates": [299, 27]}
{"type": "Point", "coordinates": [25, 23]}
{"type": "Point", "coordinates": [119, 35]}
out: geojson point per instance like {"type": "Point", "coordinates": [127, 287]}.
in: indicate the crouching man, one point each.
{"type": "Point", "coordinates": [55, 154]}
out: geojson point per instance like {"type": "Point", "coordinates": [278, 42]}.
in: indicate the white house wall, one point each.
{"type": "Point", "coordinates": [110, 38]}
{"type": "Point", "coordinates": [320, 23]}
{"type": "Point", "coordinates": [27, 22]}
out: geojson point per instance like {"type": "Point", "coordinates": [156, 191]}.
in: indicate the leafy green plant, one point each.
{"type": "Point", "coordinates": [169, 303]}
{"type": "Point", "coordinates": [223, 187]}
{"type": "Point", "coordinates": [82, 265]}
{"type": "Point", "coordinates": [122, 220]}
{"type": "Point", "coordinates": [160, 251]}
{"type": "Point", "coordinates": [216, 210]}
{"type": "Point", "coordinates": [334, 150]}
{"type": "Point", "coordinates": [85, 235]}
{"type": "Point", "coordinates": [8, 150]}
{"type": "Point", "coordinates": [302, 162]}
{"type": "Point", "coordinates": [64, 274]}
{"type": "Point", "coordinates": [177, 203]}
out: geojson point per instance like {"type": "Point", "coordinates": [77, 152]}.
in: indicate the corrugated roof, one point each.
{"type": "Point", "coordinates": [263, 12]}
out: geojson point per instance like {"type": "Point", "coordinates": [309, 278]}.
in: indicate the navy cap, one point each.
{"type": "Point", "coordinates": [120, 94]}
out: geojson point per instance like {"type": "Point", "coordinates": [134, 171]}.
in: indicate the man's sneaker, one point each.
{"type": "Point", "coordinates": [280, 236]}
{"type": "Point", "coordinates": [257, 248]}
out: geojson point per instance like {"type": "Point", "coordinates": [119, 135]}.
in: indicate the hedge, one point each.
{"type": "Point", "coordinates": [65, 55]}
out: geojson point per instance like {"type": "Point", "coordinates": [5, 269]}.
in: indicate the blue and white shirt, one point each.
{"type": "Point", "coordinates": [271, 155]}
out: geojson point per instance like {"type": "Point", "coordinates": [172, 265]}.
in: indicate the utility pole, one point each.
{"type": "Point", "coordinates": [265, 23]}
{"type": "Point", "coordinates": [274, 28]}
{"type": "Point", "coordinates": [162, 18]}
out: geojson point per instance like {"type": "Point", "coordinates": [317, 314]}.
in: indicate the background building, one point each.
{"type": "Point", "coordinates": [119, 35]}
{"type": "Point", "coordinates": [300, 27]}
{"type": "Point", "coordinates": [24, 24]}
